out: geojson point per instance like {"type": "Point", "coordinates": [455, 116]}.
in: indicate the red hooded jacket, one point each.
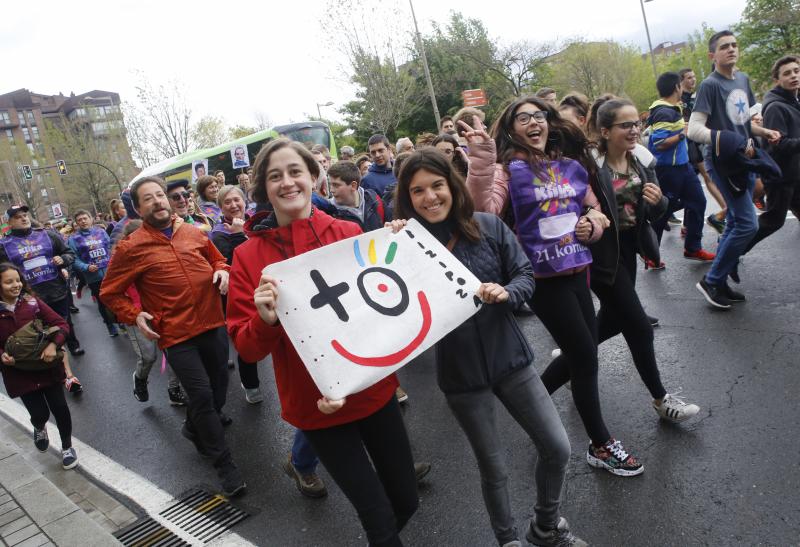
{"type": "Point", "coordinates": [254, 340]}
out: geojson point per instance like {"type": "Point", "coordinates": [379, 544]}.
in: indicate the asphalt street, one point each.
{"type": "Point", "coordinates": [731, 476]}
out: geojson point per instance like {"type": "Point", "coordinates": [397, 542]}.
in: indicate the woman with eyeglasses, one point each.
{"type": "Point", "coordinates": [546, 176]}
{"type": "Point", "coordinates": [634, 197]}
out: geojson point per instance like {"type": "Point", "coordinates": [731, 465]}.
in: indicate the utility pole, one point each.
{"type": "Point", "coordinates": [649, 43]}
{"type": "Point", "coordinates": [425, 65]}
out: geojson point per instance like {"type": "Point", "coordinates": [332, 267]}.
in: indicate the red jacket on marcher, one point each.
{"type": "Point", "coordinates": [19, 382]}
{"type": "Point", "coordinates": [254, 340]}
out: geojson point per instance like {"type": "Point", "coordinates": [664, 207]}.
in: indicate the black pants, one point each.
{"type": "Point", "coordinates": [61, 307]}
{"type": "Point", "coordinates": [564, 306]}
{"type": "Point", "coordinates": [384, 496]}
{"type": "Point", "coordinates": [108, 317]}
{"type": "Point", "coordinates": [201, 364]}
{"type": "Point", "coordinates": [780, 198]}
{"type": "Point", "coordinates": [42, 402]}
{"type": "Point", "coordinates": [621, 312]}
{"type": "Point", "coordinates": [248, 372]}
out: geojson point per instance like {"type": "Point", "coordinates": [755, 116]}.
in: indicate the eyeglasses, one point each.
{"type": "Point", "coordinates": [524, 118]}
{"type": "Point", "coordinates": [627, 126]}
{"type": "Point", "coordinates": [178, 195]}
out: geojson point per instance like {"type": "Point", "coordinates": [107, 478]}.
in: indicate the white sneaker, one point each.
{"type": "Point", "coordinates": [253, 396]}
{"type": "Point", "coordinates": [555, 353]}
{"type": "Point", "coordinates": [675, 409]}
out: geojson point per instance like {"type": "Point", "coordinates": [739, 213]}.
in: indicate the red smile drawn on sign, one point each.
{"type": "Point", "coordinates": [393, 358]}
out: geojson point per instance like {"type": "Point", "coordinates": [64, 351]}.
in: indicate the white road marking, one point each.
{"type": "Point", "coordinates": [119, 478]}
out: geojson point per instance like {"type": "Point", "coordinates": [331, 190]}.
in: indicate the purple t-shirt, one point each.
{"type": "Point", "coordinates": [33, 254]}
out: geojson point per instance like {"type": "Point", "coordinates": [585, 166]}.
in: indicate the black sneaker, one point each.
{"type": "Point", "coordinates": [225, 419]}
{"type": "Point", "coordinates": [176, 396]}
{"type": "Point", "coordinates": [560, 536]}
{"type": "Point", "coordinates": [187, 430]}
{"type": "Point", "coordinates": [76, 352]}
{"type": "Point", "coordinates": [40, 439]}
{"type": "Point", "coordinates": [674, 220]}
{"type": "Point", "coordinates": [714, 222]}
{"type": "Point", "coordinates": [421, 469]}
{"type": "Point", "coordinates": [232, 482]}
{"type": "Point", "coordinates": [140, 389]}
{"type": "Point", "coordinates": [715, 295]}
{"type": "Point", "coordinates": [653, 321]}
{"type": "Point", "coordinates": [74, 309]}
{"type": "Point", "coordinates": [733, 296]}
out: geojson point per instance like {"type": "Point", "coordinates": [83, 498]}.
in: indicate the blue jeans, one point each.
{"type": "Point", "coordinates": [304, 459]}
{"type": "Point", "coordinates": [741, 227]}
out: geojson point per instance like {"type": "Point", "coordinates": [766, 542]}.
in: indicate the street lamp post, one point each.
{"type": "Point", "coordinates": [649, 43]}
{"type": "Point", "coordinates": [425, 66]}
{"type": "Point", "coordinates": [319, 113]}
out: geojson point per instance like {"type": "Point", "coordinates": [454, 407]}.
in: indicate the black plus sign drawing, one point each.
{"type": "Point", "coordinates": [329, 296]}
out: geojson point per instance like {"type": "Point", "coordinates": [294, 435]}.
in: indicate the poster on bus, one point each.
{"type": "Point", "coordinates": [359, 309]}
{"type": "Point", "coordinates": [239, 157]}
{"type": "Point", "coordinates": [199, 169]}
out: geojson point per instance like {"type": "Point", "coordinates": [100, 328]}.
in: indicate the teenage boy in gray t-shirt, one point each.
{"type": "Point", "coordinates": [723, 103]}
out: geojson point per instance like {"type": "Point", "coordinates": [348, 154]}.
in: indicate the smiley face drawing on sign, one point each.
{"type": "Point", "coordinates": [359, 309]}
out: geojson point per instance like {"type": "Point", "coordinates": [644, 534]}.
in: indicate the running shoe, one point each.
{"type": "Point", "coordinates": [733, 296]}
{"type": "Point", "coordinates": [73, 385]}
{"type": "Point", "coordinates": [40, 439]}
{"type": "Point", "coordinates": [650, 265]}
{"type": "Point", "coordinates": [176, 396]}
{"type": "Point", "coordinates": [759, 203]}
{"type": "Point", "coordinates": [713, 294]}
{"type": "Point", "coordinates": [232, 482]}
{"type": "Point", "coordinates": [253, 395]}
{"type": "Point", "coordinates": [421, 469]}
{"type": "Point", "coordinates": [113, 332]}
{"type": "Point", "coordinates": [674, 220]}
{"type": "Point", "coordinates": [74, 309]}
{"type": "Point", "coordinates": [401, 395]}
{"type": "Point", "coordinates": [76, 352]}
{"type": "Point", "coordinates": [653, 321]}
{"type": "Point", "coordinates": [717, 224]}
{"type": "Point", "coordinates": [675, 409]}
{"type": "Point", "coordinates": [701, 255]}
{"type": "Point", "coordinates": [140, 389]}
{"type": "Point", "coordinates": [310, 485]}
{"type": "Point", "coordinates": [614, 458]}
{"type": "Point", "coordinates": [560, 536]}
{"type": "Point", "coordinates": [69, 458]}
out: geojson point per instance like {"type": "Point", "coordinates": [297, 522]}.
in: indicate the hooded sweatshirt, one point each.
{"type": "Point", "coordinates": [378, 178]}
{"type": "Point", "coordinates": [666, 121]}
{"type": "Point", "coordinates": [781, 111]}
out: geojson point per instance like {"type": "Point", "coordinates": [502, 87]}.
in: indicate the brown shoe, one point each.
{"type": "Point", "coordinates": [310, 485]}
{"type": "Point", "coordinates": [401, 395]}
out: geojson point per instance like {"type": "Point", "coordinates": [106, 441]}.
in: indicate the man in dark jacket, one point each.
{"type": "Point", "coordinates": [41, 255]}
{"type": "Point", "coordinates": [781, 111]}
{"type": "Point", "coordinates": [353, 202]}
{"type": "Point", "coordinates": [380, 174]}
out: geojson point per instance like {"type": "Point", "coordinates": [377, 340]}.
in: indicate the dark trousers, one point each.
{"type": "Point", "coordinates": [683, 190]}
{"type": "Point", "coordinates": [384, 496]}
{"type": "Point", "coordinates": [248, 373]}
{"type": "Point", "coordinates": [42, 402]}
{"type": "Point", "coordinates": [780, 198]}
{"type": "Point", "coordinates": [201, 364]}
{"type": "Point", "coordinates": [108, 317]}
{"type": "Point", "coordinates": [621, 312]}
{"type": "Point", "coordinates": [564, 306]}
{"type": "Point", "coordinates": [61, 307]}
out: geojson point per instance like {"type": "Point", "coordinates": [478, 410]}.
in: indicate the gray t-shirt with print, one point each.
{"type": "Point", "coordinates": [727, 102]}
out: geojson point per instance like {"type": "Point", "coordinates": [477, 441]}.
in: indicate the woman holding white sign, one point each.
{"type": "Point", "coordinates": [349, 436]}
{"type": "Point", "coordinates": [487, 356]}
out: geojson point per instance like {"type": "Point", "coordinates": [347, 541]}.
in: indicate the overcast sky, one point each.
{"type": "Point", "coordinates": [238, 59]}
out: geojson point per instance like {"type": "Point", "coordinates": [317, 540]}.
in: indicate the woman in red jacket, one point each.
{"type": "Point", "coordinates": [351, 435]}
{"type": "Point", "coordinates": [40, 391]}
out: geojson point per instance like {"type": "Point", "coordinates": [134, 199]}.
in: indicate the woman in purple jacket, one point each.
{"type": "Point", "coordinates": [41, 391]}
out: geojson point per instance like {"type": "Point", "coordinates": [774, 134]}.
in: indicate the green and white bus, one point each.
{"type": "Point", "coordinates": [220, 157]}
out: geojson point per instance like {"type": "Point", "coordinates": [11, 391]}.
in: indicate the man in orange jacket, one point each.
{"type": "Point", "coordinates": [175, 268]}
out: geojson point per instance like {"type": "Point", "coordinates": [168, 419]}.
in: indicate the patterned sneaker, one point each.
{"type": "Point", "coordinates": [40, 439]}
{"type": "Point", "coordinates": [717, 224]}
{"type": "Point", "coordinates": [701, 255]}
{"type": "Point", "coordinates": [310, 485]}
{"type": "Point", "coordinates": [614, 458]}
{"type": "Point", "coordinates": [674, 409]}
{"type": "Point", "coordinates": [140, 389]}
{"type": "Point", "coordinates": [560, 536]}
{"type": "Point", "coordinates": [176, 395]}
{"type": "Point", "coordinates": [69, 458]}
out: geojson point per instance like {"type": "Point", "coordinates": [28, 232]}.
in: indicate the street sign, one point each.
{"type": "Point", "coordinates": [62, 167]}
{"type": "Point", "coordinates": [474, 97]}
{"type": "Point", "coordinates": [57, 213]}
{"type": "Point", "coordinates": [26, 172]}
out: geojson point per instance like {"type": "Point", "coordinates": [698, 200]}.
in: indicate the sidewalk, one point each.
{"type": "Point", "coordinates": [43, 504]}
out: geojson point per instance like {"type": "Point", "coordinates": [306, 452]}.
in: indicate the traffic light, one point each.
{"type": "Point", "coordinates": [62, 167]}
{"type": "Point", "coordinates": [26, 172]}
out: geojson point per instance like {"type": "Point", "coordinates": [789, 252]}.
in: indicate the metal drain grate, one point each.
{"type": "Point", "coordinates": [199, 513]}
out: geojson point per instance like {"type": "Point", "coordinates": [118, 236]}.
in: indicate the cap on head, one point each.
{"type": "Point", "coordinates": [14, 209]}
{"type": "Point", "coordinates": [178, 183]}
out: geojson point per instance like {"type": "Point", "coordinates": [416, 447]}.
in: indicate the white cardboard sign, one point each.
{"type": "Point", "coordinates": [359, 309]}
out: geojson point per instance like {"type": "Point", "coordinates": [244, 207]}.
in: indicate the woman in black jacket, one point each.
{"type": "Point", "coordinates": [631, 198]}
{"type": "Point", "coordinates": [487, 356]}
{"type": "Point", "coordinates": [226, 235]}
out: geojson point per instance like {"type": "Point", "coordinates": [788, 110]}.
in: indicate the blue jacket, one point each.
{"type": "Point", "coordinates": [83, 267]}
{"type": "Point", "coordinates": [378, 178]}
{"type": "Point", "coordinates": [665, 121]}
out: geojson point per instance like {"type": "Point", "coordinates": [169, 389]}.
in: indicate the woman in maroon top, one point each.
{"type": "Point", "coordinates": [41, 391]}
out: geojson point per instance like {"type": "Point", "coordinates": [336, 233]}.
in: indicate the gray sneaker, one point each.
{"type": "Point", "coordinates": [253, 395]}
{"type": "Point", "coordinates": [560, 536]}
{"type": "Point", "coordinates": [310, 485]}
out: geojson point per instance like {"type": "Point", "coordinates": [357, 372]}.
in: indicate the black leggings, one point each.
{"type": "Point", "coordinates": [384, 496]}
{"type": "Point", "coordinates": [42, 402]}
{"type": "Point", "coordinates": [248, 372]}
{"type": "Point", "coordinates": [622, 312]}
{"type": "Point", "coordinates": [105, 313]}
{"type": "Point", "coordinates": [564, 305]}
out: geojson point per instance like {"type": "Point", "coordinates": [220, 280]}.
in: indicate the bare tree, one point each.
{"type": "Point", "coordinates": [209, 131]}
